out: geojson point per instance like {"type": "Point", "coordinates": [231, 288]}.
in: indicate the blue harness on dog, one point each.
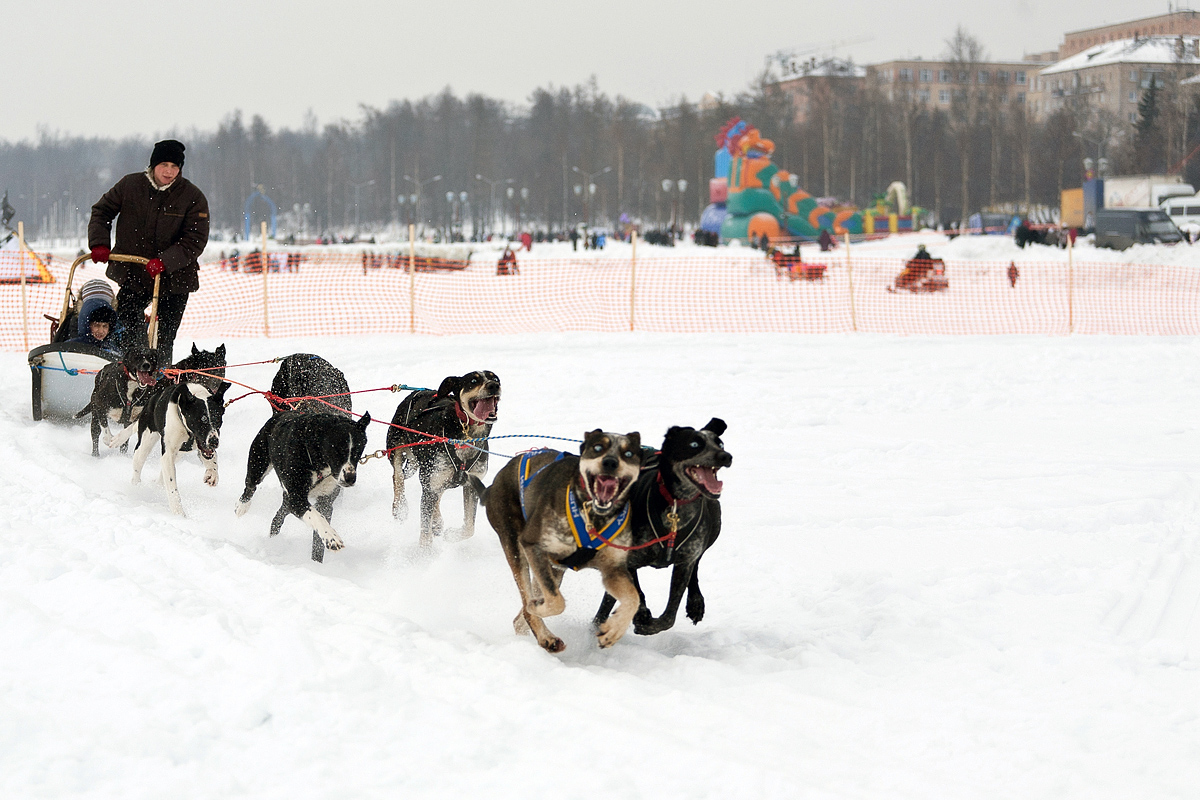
{"type": "Point", "coordinates": [585, 537]}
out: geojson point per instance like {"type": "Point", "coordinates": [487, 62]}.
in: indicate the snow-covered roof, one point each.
{"type": "Point", "coordinates": [1143, 50]}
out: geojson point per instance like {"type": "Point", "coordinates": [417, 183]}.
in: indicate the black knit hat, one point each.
{"type": "Point", "coordinates": [103, 314]}
{"type": "Point", "coordinates": [167, 150]}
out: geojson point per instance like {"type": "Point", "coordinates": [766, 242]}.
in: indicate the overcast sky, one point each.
{"type": "Point", "coordinates": [118, 68]}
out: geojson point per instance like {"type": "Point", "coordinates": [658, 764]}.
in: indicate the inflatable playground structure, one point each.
{"type": "Point", "coordinates": [751, 197]}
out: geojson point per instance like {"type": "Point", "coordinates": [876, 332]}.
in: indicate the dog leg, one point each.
{"type": "Point", "coordinates": [121, 438]}
{"type": "Point", "coordinates": [525, 622]}
{"type": "Point", "coordinates": [431, 514]}
{"type": "Point", "coordinates": [695, 601]}
{"type": "Point", "coordinates": [470, 505]}
{"type": "Point", "coordinates": [280, 516]}
{"type": "Point", "coordinates": [327, 535]}
{"type": "Point", "coordinates": [169, 480]}
{"type": "Point", "coordinates": [546, 578]}
{"type": "Point", "coordinates": [96, 417]}
{"type": "Point", "coordinates": [210, 468]}
{"type": "Point", "coordinates": [145, 444]}
{"type": "Point", "coordinates": [617, 583]}
{"type": "Point", "coordinates": [399, 501]}
{"type": "Point", "coordinates": [258, 464]}
{"type": "Point", "coordinates": [646, 624]}
{"type": "Point", "coordinates": [606, 607]}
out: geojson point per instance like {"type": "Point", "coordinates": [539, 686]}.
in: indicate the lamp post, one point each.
{"type": "Point", "coordinates": [1100, 168]}
{"type": "Point", "coordinates": [358, 186]}
{"type": "Point", "coordinates": [588, 178]}
{"type": "Point", "coordinates": [420, 185]}
{"type": "Point", "coordinates": [676, 199]}
{"type": "Point", "coordinates": [492, 197]}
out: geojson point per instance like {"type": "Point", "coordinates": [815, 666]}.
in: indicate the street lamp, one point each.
{"type": "Point", "coordinates": [493, 184]}
{"type": "Point", "coordinates": [679, 186]}
{"type": "Point", "coordinates": [589, 177]}
{"type": "Point", "coordinates": [358, 186]}
{"type": "Point", "coordinates": [420, 185]}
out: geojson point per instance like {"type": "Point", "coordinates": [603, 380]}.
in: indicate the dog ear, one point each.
{"type": "Point", "coordinates": [449, 387]}
{"type": "Point", "coordinates": [221, 351]}
{"type": "Point", "coordinates": [635, 441]}
{"type": "Point", "coordinates": [585, 438]}
{"type": "Point", "coordinates": [195, 350]}
{"type": "Point", "coordinates": [184, 392]}
{"type": "Point", "coordinates": [221, 391]}
{"type": "Point", "coordinates": [716, 425]}
{"type": "Point", "coordinates": [364, 421]}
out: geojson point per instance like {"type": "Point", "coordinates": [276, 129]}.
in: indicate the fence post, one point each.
{"type": "Point", "coordinates": [21, 266]}
{"type": "Point", "coordinates": [1070, 285]}
{"type": "Point", "coordinates": [263, 264]}
{"type": "Point", "coordinates": [632, 277]}
{"type": "Point", "coordinates": [412, 278]}
{"type": "Point", "coordinates": [850, 277]}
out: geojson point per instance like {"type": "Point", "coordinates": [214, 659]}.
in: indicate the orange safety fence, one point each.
{"type": "Point", "coordinates": [720, 291]}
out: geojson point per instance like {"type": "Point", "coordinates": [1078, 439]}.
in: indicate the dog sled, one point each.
{"type": "Point", "coordinates": [922, 276]}
{"type": "Point", "coordinates": [64, 372]}
{"type": "Point", "coordinates": [790, 266]}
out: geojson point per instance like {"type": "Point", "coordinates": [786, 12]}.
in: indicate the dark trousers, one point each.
{"type": "Point", "coordinates": [131, 320]}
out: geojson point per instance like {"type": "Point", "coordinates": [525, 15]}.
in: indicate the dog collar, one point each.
{"type": "Point", "coordinates": [666, 493]}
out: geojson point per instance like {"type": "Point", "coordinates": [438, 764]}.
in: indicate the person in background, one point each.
{"type": "Point", "coordinates": [163, 217]}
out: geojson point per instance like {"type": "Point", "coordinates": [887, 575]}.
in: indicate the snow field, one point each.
{"type": "Point", "coordinates": [952, 567]}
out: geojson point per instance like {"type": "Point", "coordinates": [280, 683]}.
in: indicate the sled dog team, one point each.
{"type": "Point", "coordinates": [616, 506]}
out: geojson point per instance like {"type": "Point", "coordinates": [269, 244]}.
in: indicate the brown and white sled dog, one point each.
{"type": "Point", "coordinates": [555, 511]}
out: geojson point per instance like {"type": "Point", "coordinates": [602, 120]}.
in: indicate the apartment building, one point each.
{"type": "Point", "coordinates": [1110, 77]}
{"type": "Point", "coordinates": [806, 81]}
{"type": "Point", "coordinates": [1177, 23]}
{"type": "Point", "coordinates": [935, 83]}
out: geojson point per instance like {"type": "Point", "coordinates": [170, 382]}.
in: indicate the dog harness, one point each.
{"type": "Point", "coordinates": [525, 476]}
{"type": "Point", "coordinates": [588, 537]}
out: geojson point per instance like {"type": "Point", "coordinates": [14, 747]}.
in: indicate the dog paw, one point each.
{"type": "Point", "coordinates": [177, 508]}
{"type": "Point", "coordinates": [608, 634]}
{"type": "Point", "coordinates": [552, 644]}
{"type": "Point", "coordinates": [210, 477]}
{"type": "Point", "coordinates": [695, 609]}
{"type": "Point", "coordinates": [107, 438]}
{"type": "Point", "coordinates": [400, 512]}
{"type": "Point", "coordinates": [333, 542]}
{"type": "Point", "coordinates": [136, 479]}
{"type": "Point", "coordinates": [457, 534]}
{"type": "Point", "coordinates": [241, 508]}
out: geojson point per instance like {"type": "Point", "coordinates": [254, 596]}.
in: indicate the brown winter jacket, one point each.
{"type": "Point", "coordinates": [170, 224]}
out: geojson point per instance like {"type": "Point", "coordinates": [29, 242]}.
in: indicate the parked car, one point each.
{"type": "Point", "coordinates": [1121, 228]}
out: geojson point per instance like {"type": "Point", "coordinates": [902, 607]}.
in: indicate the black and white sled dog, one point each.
{"type": "Point", "coordinates": [308, 375]}
{"type": "Point", "coordinates": [211, 364]}
{"type": "Point", "coordinates": [463, 407]}
{"type": "Point", "coordinates": [684, 485]}
{"type": "Point", "coordinates": [120, 393]}
{"type": "Point", "coordinates": [315, 456]}
{"type": "Point", "coordinates": [179, 416]}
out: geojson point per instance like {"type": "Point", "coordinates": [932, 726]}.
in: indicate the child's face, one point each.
{"type": "Point", "coordinates": [99, 330]}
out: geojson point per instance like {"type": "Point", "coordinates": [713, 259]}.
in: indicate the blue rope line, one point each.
{"type": "Point", "coordinates": [471, 442]}
{"type": "Point", "coordinates": [63, 361]}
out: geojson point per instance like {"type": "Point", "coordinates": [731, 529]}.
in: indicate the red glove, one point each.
{"type": "Point", "coordinates": [100, 254]}
{"type": "Point", "coordinates": [155, 267]}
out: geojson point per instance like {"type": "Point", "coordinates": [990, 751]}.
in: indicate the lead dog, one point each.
{"type": "Point", "coordinates": [463, 407]}
{"type": "Point", "coordinates": [683, 483]}
{"type": "Point", "coordinates": [120, 393]}
{"type": "Point", "coordinates": [553, 511]}
{"type": "Point", "coordinates": [314, 455]}
{"type": "Point", "coordinates": [177, 415]}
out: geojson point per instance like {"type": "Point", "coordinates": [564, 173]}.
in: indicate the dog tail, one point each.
{"type": "Point", "coordinates": [480, 490]}
{"type": "Point", "coordinates": [84, 411]}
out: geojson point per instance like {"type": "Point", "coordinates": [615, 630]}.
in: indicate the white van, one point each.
{"type": "Point", "coordinates": [1184, 212]}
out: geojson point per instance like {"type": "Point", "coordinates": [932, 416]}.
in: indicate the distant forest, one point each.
{"type": "Point", "coordinates": [358, 177]}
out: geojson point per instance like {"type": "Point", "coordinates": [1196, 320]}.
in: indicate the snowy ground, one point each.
{"type": "Point", "coordinates": [951, 567]}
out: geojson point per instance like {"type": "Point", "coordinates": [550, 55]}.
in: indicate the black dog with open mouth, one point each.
{"type": "Point", "coordinates": [676, 504]}
{"type": "Point", "coordinates": [120, 393]}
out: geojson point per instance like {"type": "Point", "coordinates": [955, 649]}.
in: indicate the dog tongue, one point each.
{"type": "Point", "coordinates": [484, 408]}
{"type": "Point", "coordinates": [605, 487]}
{"type": "Point", "coordinates": [145, 378]}
{"type": "Point", "coordinates": [708, 477]}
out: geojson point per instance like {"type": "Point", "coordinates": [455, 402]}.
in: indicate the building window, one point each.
{"type": "Point", "coordinates": [1133, 75]}
{"type": "Point", "coordinates": [1020, 97]}
{"type": "Point", "coordinates": [923, 95]}
{"type": "Point", "coordinates": [1133, 97]}
{"type": "Point", "coordinates": [944, 76]}
{"type": "Point", "coordinates": [906, 75]}
{"type": "Point", "coordinates": [964, 77]}
{"type": "Point", "coordinates": [1002, 76]}
{"type": "Point", "coordinates": [944, 96]}
{"type": "Point", "coordinates": [984, 76]}
{"type": "Point", "coordinates": [1020, 78]}
{"type": "Point", "coordinates": [926, 75]}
